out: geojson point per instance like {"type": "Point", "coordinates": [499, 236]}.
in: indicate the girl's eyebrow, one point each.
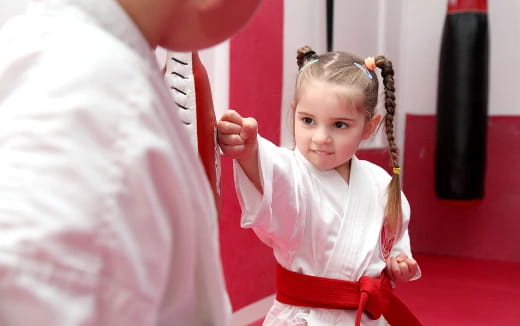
{"type": "Point", "coordinates": [333, 118]}
{"type": "Point", "coordinates": [343, 119]}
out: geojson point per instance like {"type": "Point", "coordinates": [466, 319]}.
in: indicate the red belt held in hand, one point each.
{"type": "Point", "coordinates": [373, 296]}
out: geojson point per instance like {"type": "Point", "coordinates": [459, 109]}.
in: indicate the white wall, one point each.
{"type": "Point", "coordinates": [504, 21]}
{"type": "Point", "coordinates": [409, 32]}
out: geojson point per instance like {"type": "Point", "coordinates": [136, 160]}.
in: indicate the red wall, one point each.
{"type": "Point", "coordinates": [486, 229]}
{"type": "Point", "coordinates": [256, 55]}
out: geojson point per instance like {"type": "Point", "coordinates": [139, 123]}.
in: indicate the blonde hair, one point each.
{"type": "Point", "coordinates": [347, 69]}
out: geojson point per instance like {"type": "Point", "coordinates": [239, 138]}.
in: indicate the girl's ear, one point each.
{"type": "Point", "coordinates": [371, 126]}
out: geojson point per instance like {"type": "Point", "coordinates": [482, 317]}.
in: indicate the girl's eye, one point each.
{"type": "Point", "coordinates": [307, 120]}
{"type": "Point", "coordinates": [340, 124]}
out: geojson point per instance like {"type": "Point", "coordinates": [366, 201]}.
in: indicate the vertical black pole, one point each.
{"type": "Point", "coordinates": [330, 24]}
{"type": "Point", "coordinates": [462, 102]}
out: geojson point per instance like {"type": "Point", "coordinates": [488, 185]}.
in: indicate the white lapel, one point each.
{"type": "Point", "coordinates": [360, 228]}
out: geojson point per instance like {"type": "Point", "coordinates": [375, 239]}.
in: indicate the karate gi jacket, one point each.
{"type": "Point", "coordinates": [106, 216]}
{"type": "Point", "coordinates": [319, 225]}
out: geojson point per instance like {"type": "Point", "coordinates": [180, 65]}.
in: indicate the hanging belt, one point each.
{"type": "Point", "coordinates": [373, 296]}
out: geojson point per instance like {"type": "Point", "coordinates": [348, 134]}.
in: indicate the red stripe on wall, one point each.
{"type": "Point", "coordinates": [379, 156]}
{"type": "Point", "coordinates": [485, 229]}
{"type": "Point", "coordinates": [256, 58]}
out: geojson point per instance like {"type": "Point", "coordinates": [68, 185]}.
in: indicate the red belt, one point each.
{"type": "Point", "coordinates": [371, 295]}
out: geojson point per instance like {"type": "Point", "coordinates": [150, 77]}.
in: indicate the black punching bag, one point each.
{"type": "Point", "coordinates": [330, 24]}
{"type": "Point", "coordinates": [462, 102]}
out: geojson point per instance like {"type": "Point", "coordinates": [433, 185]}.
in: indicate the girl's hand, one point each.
{"type": "Point", "coordinates": [237, 136]}
{"type": "Point", "coordinates": [401, 268]}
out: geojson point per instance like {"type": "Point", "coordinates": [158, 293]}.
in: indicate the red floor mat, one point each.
{"type": "Point", "coordinates": [459, 291]}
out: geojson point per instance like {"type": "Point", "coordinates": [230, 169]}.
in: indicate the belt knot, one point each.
{"type": "Point", "coordinates": [370, 298]}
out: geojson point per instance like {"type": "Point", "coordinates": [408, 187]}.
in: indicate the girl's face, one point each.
{"type": "Point", "coordinates": [328, 128]}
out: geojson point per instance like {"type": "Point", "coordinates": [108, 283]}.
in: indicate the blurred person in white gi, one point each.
{"type": "Point", "coordinates": [104, 212]}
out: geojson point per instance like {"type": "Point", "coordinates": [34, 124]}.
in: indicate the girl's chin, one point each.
{"type": "Point", "coordinates": [322, 166]}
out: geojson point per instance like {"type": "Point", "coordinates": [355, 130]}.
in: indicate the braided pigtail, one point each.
{"type": "Point", "coordinates": [393, 210]}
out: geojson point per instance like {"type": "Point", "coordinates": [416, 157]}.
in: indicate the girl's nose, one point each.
{"type": "Point", "coordinates": [321, 137]}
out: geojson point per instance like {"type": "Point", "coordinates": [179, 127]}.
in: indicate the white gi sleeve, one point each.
{"type": "Point", "coordinates": [275, 215]}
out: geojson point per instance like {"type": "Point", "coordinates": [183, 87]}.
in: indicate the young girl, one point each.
{"type": "Point", "coordinates": [337, 224]}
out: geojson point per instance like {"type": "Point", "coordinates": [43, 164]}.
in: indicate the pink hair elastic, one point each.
{"type": "Point", "coordinates": [370, 63]}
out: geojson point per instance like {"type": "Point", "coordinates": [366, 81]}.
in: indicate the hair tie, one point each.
{"type": "Point", "coordinates": [309, 55]}
{"type": "Point", "coordinates": [364, 69]}
{"type": "Point", "coordinates": [397, 171]}
{"type": "Point", "coordinates": [308, 64]}
{"type": "Point", "coordinates": [370, 63]}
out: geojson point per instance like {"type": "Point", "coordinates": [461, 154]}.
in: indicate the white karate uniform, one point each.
{"type": "Point", "coordinates": [319, 225]}
{"type": "Point", "coordinates": [106, 216]}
